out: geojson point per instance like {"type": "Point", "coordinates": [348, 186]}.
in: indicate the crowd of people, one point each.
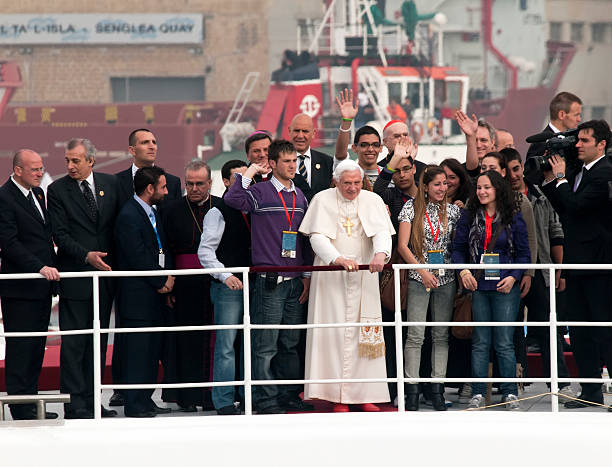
{"type": "Point", "coordinates": [289, 206]}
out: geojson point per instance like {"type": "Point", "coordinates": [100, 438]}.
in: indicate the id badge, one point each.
{"type": "Point", "coordinates": [491, 274]}
{"type": "Point", "coordinates": [161, 258]}
{"type": "Point", "coordinates": [288, 244]}
{"type": "Point", "coordinates": [436, 257]}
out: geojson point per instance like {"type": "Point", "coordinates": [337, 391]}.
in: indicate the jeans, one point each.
{"type": "Point", "coordinates": [489, 305]}
{"type": "Point", "coordinates": [275, 353]}
{"type": "Point", "coordinates": [441, 300]}
{"type": "Point", "coordinates": [229, 309]}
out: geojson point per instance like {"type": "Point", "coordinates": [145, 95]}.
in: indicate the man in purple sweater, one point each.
{"type": "Point", "coordinates": [277, 208]}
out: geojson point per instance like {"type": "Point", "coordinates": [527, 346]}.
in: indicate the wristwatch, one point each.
{"type": "Point", "coordinates": [559, 175]}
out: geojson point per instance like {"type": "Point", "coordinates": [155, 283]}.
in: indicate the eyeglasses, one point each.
{"type": "Point", "coordinates": [365, 145]}
{"type": "Point", "coordinates": [404, 170]}
{"type": "Point", "coordinates": [33, 170]}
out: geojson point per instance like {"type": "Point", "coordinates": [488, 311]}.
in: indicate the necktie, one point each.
{"type": "Point", "coordinates": [302, 167]}
{"type": "Point", "coordinates": [579, 178]}
{"type": "Point", "coordinates": [91, 201]}
{"type": "Point", "coordinates": [31, 200]}
{"type": "Point", "coordinates": [154, 224]}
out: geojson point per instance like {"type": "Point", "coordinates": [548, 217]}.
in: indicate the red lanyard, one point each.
{"type": "Point", "coordinates": [246, 220]}
{"type": "Point", "coordinates": [289, 219]}
{"type": "Point", "coordinates": [434, 235]}
{"type": "Point", "coordinates": [525, 190]}
{"type": "Point", "coordinates": [378, 168]}
{"type": "Point", "coordinates": [405, 199]}
{"type": "Point", "coordinates": [488, 229]}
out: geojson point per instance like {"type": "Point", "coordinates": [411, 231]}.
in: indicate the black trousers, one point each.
{"type": "Point", "coordinates": [588, 299]}
{"type": "Point", "coordinates": [24, 355]}
{"type": "Point", "coordinates": [76, 355]}
{"type": "Point", "coordinates": [193, 355]}
{"type": "Point", "coordinates": [538, 309]}
{"type": "Point", "coordinates": [141, 353]}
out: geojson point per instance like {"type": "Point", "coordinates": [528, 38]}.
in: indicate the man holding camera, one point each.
{"type": "Point", "coordinates": [581, 198]}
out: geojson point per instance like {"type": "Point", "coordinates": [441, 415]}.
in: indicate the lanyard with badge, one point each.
{"type": "Point", "coordinates": [435, 256]}
{"type": "Point", "coordinates": [289, 239]}
{"type": "Point", "coordinates": [488, 257]}
{"type": "Point", "coordinates": [161, 257]}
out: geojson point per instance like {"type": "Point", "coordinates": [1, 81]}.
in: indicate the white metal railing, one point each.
{"type": "Point", "coordinates": [246, 326]}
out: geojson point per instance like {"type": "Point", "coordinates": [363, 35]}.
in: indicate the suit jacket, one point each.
{"type": "Point", "coordinates": [126, 186]}
{"type": "Point", "coordinates": [321, 168]}
{"type": "Point", "coordinates": [137, 250]}
{"type": "Point", "coordinates": [585, 215]}
{"type": "Point", "coordinates": [537, 149]}
{"type": "Point", "coordinates": [74, 231]}
{"type": "Point", "coordinates": [25, 243]}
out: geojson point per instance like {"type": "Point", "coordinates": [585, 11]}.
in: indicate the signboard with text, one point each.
{"type": "Point", "coordinates": [152, 28]}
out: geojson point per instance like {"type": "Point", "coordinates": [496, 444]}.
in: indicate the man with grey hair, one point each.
{"type": "Point", "coordinates": [83, 206]}
{"type": "Point", "coordinates": [347, 227]}
{"type": "Point", "coordinates": [480, 138]}
{"type": "Point", "coordinates": [188, 353]}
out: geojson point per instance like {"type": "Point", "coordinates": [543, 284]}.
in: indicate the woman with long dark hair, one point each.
{"type": "Point", "coordinates": [425, 236]}
{"type": "Point", "coordinates": [458, 181]}
{"type": "Point", "coordinates": [491, 230]}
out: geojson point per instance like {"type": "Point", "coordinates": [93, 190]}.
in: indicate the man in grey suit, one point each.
{"type": "Point", "coordinates": [83, 207]}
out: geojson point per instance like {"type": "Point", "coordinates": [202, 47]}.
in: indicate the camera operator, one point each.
{"type": "Point", "coordinates": [580, 197]}
{"type": "Point", "coordinates": [565, 109]}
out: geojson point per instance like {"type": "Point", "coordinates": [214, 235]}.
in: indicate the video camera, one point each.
{"type": "Point", "coordinates": [563, 144]}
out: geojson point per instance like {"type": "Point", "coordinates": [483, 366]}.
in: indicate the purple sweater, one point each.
{"type": "Point", "coordinates": [268, 220]}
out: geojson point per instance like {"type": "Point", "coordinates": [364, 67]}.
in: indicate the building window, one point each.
{"type": "Point", "coordinates": [598, 112]}
{"type": "Point", "coordinates": [153, 89]}
{"type": "Point", "coordinates": [555, 31]}
{"type": "Point", "coordinates": [577, 32]}
{"type": "Point", "coordinates": [523, 5]}
{"type": "Point", "coordinates": [598, 32]}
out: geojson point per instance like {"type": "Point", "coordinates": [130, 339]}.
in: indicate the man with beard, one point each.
{"type": "Point", "coordinates": [141, 246]}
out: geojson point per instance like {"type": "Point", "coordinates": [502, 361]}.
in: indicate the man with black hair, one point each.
{"type": "Point", "coordinates": [226, 242]}
{"type": "Point", "coordinates": [256, 149]}
{"type": "Point", "coordinates": [277, 208]}
{"type": "Point", "coordinates": [581, 198]}
{"type": "Point", "coordinates": [141, 246]}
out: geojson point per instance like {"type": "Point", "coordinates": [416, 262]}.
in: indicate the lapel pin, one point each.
{"type": "Point", "coordinates": [101, 192]}
{"type": "Point", "coordinates": [40, 197]}
{"type": "Point", "coordinates": [317, 166]}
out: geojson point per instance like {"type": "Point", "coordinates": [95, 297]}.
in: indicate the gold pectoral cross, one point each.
{"type": "Point", "coordinates": [348, 225]}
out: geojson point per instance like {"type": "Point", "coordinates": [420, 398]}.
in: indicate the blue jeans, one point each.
{"type": "Point", "coordinates": [275, 353]}
{"type": "Point", "coordinates": [228, 310]}
{"type": "Point", "coordinates": [490, 305]}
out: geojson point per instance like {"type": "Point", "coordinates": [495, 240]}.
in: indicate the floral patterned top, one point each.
{"type": "Point", "coordinates": [444, 240]}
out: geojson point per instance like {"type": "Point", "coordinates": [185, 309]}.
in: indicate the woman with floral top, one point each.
{"type": "Point", "coordinates": [425, 236]}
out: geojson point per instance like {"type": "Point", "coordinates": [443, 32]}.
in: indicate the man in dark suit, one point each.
{"type": "Point", "coordinates": [256, 149]}
{"type": "Point", "coordinates": [314, 172]}
{"type": "Point", "coordinates": [143, 148]}
{"type": "Point", "coordinates": [141, 246]}
{"type": "Point", "coordinates": [565, 110]}
{"type": "Point", "coordinates": [582, 200]}
{"type": "Point", "coordinates": [83, 206]}
{"type": "Point", "coordinates": [26, 246]}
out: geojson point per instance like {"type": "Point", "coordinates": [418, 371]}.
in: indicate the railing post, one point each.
{"type": "Point", "coordinates": [399, 353]}
{"type": "Point", "coordinates": [97, 376]}
{"type": "Point", "coordinates": [248, 402]}
{"type": "Point", "coordinates": [554, 376]}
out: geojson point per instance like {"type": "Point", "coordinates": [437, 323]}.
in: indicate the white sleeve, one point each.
{"type": "Point", "coordinates": [213, 227]}
{"type": "Point", "coordinates": [323, 248]}
{"type": "Point", "coordinates": [382, 243]}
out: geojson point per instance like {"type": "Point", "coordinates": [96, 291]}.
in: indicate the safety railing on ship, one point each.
{"type": "Point", "coordinates": [247, 326]}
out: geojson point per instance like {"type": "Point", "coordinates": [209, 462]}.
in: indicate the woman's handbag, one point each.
{"type": "Point", "coordinates": [462, 313]}
{"type": "Point", "coordinates": [387, 295]}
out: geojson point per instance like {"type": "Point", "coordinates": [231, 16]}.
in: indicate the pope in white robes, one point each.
{"type": "Point", "coordinates": [347, 227]}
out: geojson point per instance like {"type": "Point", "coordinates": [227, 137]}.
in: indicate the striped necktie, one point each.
{"type": "Point", "coordinates": [302, 167]}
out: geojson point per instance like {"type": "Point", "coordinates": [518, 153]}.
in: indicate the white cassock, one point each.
{"type": "Point", "coordinates": [340, 296]}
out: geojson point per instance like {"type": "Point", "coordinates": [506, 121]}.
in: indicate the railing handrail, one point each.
{"type": "Point", "coordinates": [96, 330]}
